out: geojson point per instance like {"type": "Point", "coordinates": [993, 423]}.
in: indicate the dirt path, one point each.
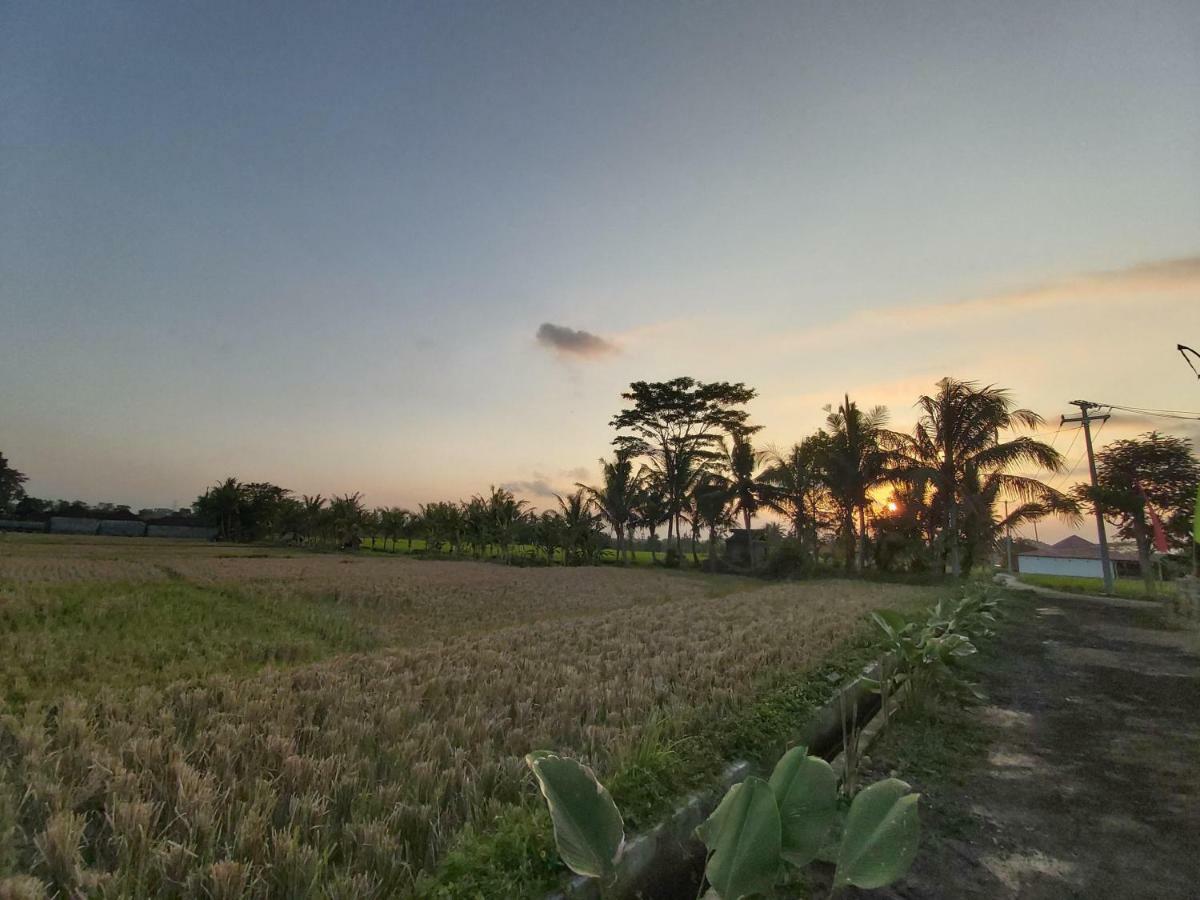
{"type": "Point", "coordinates": [1091, 785]}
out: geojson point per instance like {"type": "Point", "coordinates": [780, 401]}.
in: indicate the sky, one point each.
{"type": "Point", "coordinates": [414, 249]}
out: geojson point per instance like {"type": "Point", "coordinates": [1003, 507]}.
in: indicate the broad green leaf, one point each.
{"type": "Point", "coordinates": [889, 621]}
{"type": "Point", "coordinates": [743, 836]}
{"type": "Point", "coordinates": [806, 791]}
{"type": "Point", "coordinates": [588, 830]}
{"type": "Point", "coordinates": [881, 836]}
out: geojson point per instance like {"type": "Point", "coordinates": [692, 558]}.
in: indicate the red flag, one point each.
{"type": "Point", "coordinates": [1160, 533]}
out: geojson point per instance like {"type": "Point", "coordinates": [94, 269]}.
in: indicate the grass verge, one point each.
{"type": "Point", "coordinates": [1130, 588]}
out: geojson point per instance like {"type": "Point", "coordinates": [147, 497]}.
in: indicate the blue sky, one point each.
{"type": "Point", "coordinates": [313, 243]}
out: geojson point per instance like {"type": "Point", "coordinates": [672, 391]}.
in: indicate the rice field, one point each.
{"type": "Point", "coordinates": [205, 721]}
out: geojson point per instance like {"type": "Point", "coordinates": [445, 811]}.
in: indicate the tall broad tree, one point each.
{"type": "Point", "coordinates": [1156, 472]}
{"type": "Point", "coordinates": [857, 460]}
{"type": "Point", "coordinates": [616, 498]}
{"type": "Point", "coordinates": [11, 484]}
{"type": "Point", "coordinates": [672, 423]}
{"type": "Point", "coordinates": [958, 453]}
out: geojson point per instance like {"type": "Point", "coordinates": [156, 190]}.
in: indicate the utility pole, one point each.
{"type": "Point", "coordinates": [1086, 419]}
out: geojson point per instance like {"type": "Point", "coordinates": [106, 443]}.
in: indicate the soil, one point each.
{"type": "Point", "coordinates": [1087, 779]}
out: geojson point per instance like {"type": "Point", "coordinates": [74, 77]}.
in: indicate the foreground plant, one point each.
{"type": "Point", "coordinates": [922, 659]}
{"type": "Point", "coordinates": [759, 834]}
{"type": "Point", "coordinates": [588, 829]}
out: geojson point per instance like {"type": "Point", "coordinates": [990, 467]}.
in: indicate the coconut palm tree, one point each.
{"type": "Point", "coordinates": [506, 514]}
{"type": "Point", "coordinates": [580, 521]}
{"type": "Point", "coordinates": [713, 509]}
{"type": "Point", "coordinates": [221, 504]}
{"type": "Point", "coordinates": [857, 459]}
{"type": "Point", "coordinates": [346, 516]}
{"type": "Point", "coordinates": [549, 533]}
{"type": "Point", "coordinates": [676, 483]}
{"type": "Point", "coordinates": [616, 498]}
{"type": "Point", "coordinates": [652, 511]}
{"type": "Point", "coordinates": [312, 515]}
{"type": "Point", "coordinates": [794, 486]}
{"type": "Point", "coordinates": [745, 489]}
{"type": "Point", "coordinates": [956, 450]}
{"type": "Point", "coordinates": [477, 525]}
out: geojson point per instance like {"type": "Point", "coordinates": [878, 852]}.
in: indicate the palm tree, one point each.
{"type": "Point", "coordinates": [616, 499]}
{"type": "Point", "coordinates": [314, 509]}
{"type": "Point", "coordinates": [392, 522]}
{"type": "Point", "coordinates": [676, 482]}
{"type": "Point", "coordinates": [222, 505]}
{"type": "Point", "coordinates": [477, 525]}
{"type": "Point", "coordinates": [580, 521]}
{"type": "Point", "coordinates": [549, 532]}
{"type": "Point", "coordinates": [506, 514]}
{"type": "Point", "coordinates": [983, 528]}
{"type": "Point", "coordinates": [346, 517]}
{"type": "Point", "coordinates": [652, 511]}
{"type": "Point", "coordinates": [957, 452]}
{"type": "Point", "coordinates": [857, 459]}
{"type": "Point", "coordinates": [744, 488]}
{"type": "Point", "coordinates": [711, 506]}
{"type": "Point", "coordinates": [794, 486]}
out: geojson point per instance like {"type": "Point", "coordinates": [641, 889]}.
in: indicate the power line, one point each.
{"type": "Point", "coordinates": [1067, 455]}
{"type": "Point", "coordinates": [1186, 415]}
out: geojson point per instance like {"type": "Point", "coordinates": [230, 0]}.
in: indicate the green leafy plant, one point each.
{"type": "Point", "coordinates": [805, 789]}
{"type": "Point", "coordinates": [922, 657]}
{"type": "Point", "coordinates": [588, 829]}
{"type": "Point", "coordinates": [880, 838]}
{"type": "Point", "coordinates": [744, 836]}
{"type": "Point", "coordinates": [759, 834]}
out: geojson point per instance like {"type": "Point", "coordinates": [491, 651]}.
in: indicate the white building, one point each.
{"type": "Point", "coordinates": [1074, 557]}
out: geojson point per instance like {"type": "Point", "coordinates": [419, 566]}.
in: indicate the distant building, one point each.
{"type": "Point", "coordinates": [1075, 557]}
{"type": "Point", "coordinates": [743, 550]}
{"type": "Point", "coordinates": [180, 527]}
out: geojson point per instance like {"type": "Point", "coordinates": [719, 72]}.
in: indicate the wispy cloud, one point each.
{"type": "Point", "coordinates": [572, 342]}
{"type": "Point", "coordinates": [1170, 280]}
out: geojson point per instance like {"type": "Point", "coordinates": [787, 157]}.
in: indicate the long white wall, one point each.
{"type": "Point", "coordinates": [1056, 565]}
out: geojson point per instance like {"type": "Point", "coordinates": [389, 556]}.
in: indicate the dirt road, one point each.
{"type": "Point", "coordinates": [1091, 782]}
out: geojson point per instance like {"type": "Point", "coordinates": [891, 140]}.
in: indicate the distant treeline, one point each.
{"type": "Point", "coordinates": [941, 497]}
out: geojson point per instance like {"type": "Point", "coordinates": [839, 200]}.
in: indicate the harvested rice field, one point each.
{"type": "Point", "coordinates": [202, 720]}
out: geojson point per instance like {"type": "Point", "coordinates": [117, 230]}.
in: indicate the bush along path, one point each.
{"type": "Point", "coordinates": [765, 832]}
{"type": "Point", "coordinates": [1078, 776]}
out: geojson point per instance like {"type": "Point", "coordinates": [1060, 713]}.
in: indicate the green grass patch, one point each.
{"type": "Point", "coordinates": [526, 551]}
{"type": "Point", "coordinates": [1130, 588]}
{"type": "Point", "coordinates": [80, 637]}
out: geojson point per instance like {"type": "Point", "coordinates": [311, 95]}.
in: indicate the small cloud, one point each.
{"type": "Point", "coordinates": [534, 488]}
{"type": "Point", "coordinates": [576, 474]}
{"type": "Point", "coordinates": [570, 342]}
